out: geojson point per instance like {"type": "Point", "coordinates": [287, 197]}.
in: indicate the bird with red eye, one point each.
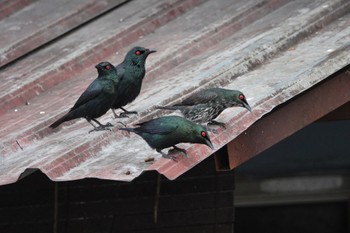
{"type": "Point", "coordinates": [139, 52]}
{"type": "Point", "coordinates": [132, 71]}
{"type": "Point", "coordinates": [96, 100]}
{"type": "Point", "coordinates": [207, 104]}
{"type": "Point", "coordinates": [167, 131]}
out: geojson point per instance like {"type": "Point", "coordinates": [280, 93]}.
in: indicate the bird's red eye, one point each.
{"type": "Point", "coordinates": [138, 52]}
{"type": "Point", "coordinates": [108, 67]}
{"type": "Point", "coordinates": [204, 134]}
{"type": "Point", "coordinates": [241, 97]}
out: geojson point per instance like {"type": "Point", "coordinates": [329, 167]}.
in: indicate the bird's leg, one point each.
{"type": "Point", "coordinates": [221, 124]}
{"type": "Point", "coordinates": [167, 156]}
{"type": "Point", "coordinates": [121, 123]}
{"type": "Point", "coordinates": [89, 120]}
{"type": "Point", "coordinates": [101, 126]}
{"type": "Point", "coordinates": [115, 114]}
{"type": "Point", "coordinates": [210, 129]}
{"type": "Point", "coordinates": [126, 112]}
{"type": "Point", "coordinates": [175, 148]}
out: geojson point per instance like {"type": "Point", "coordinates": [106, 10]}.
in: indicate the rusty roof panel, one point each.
{"type": "Point", "coordinates": [42, 21]}
{"type": "Point", "coordinates": [271, 50]}
{"type": "Point", "coordinates": [79, 50]}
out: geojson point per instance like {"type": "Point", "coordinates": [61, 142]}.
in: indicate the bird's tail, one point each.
{"type": "Point", "coordinates": [128, 129]}
{"type": "Point", "coordinates": [69, 116]}
{"type": "Point", "coordinates": [167, 107]}
{"type": "Point", "coordinates": [58, 122]}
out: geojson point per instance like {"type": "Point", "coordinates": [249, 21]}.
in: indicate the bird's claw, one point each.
{"type": "Point", "coordinates": [177, 149]}
{"type": "Point", "coordinates": [125, 114]}
{"type": "Point", "coordinates": [221, 124]}
{"type": "Point", "coordinates": [124, 125]}
{"type": "Point", "coordinates": [168, 156]}
{"type": "Point", "coordinates": [214, 131]}
{"type": "Point", "coordinates": [102, 127]}
{"type": "Point", "coordinates": [122, 115]}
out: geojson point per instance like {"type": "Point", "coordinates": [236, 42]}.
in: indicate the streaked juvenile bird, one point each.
{"type": "Point", "coordinates": [132, 70]}
{"type": "Point", "coordinates": [96, 100]}
{"type": "Point", "coordinates": [207, 104]}
{"type": "Point", "coordinates": [168, 131]}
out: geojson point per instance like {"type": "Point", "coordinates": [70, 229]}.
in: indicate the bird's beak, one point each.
{"type": "Point", "coordinates": [151, 51]}
{"type": "Point", "coordinates": [208, 143]}
{"type": "Point", "coordinates": [246, 105]}
{"type": "Point", "coordinates": [96, 66]}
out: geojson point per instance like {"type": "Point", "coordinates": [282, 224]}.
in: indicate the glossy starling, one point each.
{"type": "Point", "coordinates": [132, 70]}
{"type": "Point", "coordinates": [96, 100]}
{"type": "Point", "coordinates": [205, 105]}
{"type": "Point", "coordinates": [168, 131]}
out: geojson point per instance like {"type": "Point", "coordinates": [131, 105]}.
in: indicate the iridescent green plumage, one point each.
{"type": "Point", "coordinates": [168, 131]}
{"type": "Point", "coordinates": [97, 99]}
{"type": "Point", "coordinates": [132, 70]}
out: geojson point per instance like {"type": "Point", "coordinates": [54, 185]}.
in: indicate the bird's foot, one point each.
{"type": "Point", "coordinates": [214, 131]}
{"type": "Point", "coordinates": [121, 115]}
{"type": "Point", "coordinates": [221, 124]}
{"type": "Point", "coordinates": [210, 129]}
{"type": "Point", "coordinates": [168, 156]}
{"type": "Point", "coordinates": [102, 127]}
{"type": "Point", "coordinates": [124, 125]}
{"type": "Point", "coordinates": [107, 125]}
{"type": "Point", "coordinates": [125, 114]}
{"type": "Point", "coordinates": [177, 149]}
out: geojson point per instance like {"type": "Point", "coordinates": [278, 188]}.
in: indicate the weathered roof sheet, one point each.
{"type": "Point", "coordinates": [271, 50]}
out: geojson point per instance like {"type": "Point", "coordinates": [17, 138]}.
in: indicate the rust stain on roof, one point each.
{"type": "Point", "coordinates": [270, 50]}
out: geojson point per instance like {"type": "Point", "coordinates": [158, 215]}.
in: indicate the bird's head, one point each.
{"type": "Point", "coordinates": [238, 99]}
{"type": "Point", "coordinates": [105, 68]}
{"type": "Point", "coordinates": [201, 136]}
{"type": "Point", "coordinates": [138, 55]}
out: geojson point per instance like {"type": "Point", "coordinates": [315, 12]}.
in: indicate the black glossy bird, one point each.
{"type": "Point", "coordinates": [96, 100]}
{"type": "Point", "coordinates": [132, 70]}
{"type": "Point", "coordinates": [207, 104]}
{"type": "Point", "coordinates": [168, 131]}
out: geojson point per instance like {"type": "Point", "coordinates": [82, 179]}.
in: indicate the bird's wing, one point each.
{"type": "Point", "coordinates": [200, 97]}
{"type": "Point", "coordinates": [156, 127]}
{"type": "Point", "coordinates": [93, 90]}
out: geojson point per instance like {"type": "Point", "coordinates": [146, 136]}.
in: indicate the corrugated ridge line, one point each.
{"type": "Point", "coordinates": [228, 27]}
{"type": "Point", "coordinates": [8, 7]}
{"type": "Point", "coordinates": [55, 29]}
{"type": "Point", "coordinates": [198, 152]}
{"type": "Point", "coordinates": [171, 170]}
{"type": "Point", "coordinates": [62, 70]}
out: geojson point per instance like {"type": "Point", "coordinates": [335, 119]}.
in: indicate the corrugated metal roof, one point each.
{"type": "Point", "coordinates": [270, 50]}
